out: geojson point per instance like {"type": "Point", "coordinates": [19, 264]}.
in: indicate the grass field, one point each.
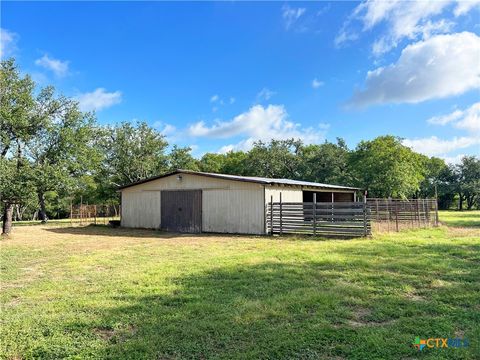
{"type": "Point", "coordinates": [96, 292]}
{"type": "Point", "coordinates": [460, 218]}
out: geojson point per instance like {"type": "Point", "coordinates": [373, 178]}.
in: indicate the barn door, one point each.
{"type": "Point", "coordinates": [181, 211]}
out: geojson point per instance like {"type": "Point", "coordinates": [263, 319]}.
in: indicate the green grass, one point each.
{"type": "Point", "coordinates": [460, 218]}
{"type": "Point", "coordinates": [100, 293]}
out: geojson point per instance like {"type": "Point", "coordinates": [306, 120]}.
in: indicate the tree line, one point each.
{"type": "Point", "coordinates": [51, 153]}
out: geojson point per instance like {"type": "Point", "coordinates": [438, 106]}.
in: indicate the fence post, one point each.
{"type": "Point", "coordinates": [281, 232]}
{"type": "Point", "coordinates": [314, 214]}
{"type": "Point", "coordinates": [396, 215]}
{"type": "Point", "coordinates": [387, 201]}
{"type": "Point", "coordinates": [365, 230]}
{"type": "Point", "coordinates": [271, 215]}
{"type": "Point", "coordinates": [436, 212]}
{"type": "Point", "coordinates": [424, 214]}
{"type": "Point", "coordinates": [427, 213]}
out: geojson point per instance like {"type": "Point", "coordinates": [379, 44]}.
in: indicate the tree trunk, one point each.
{"type": "Point", "coordinates": [460, 202]}
{"type": "Point", "coordinates": [470, 202]}
{"type": "Point", "coordinates": [42, 215]}
{"type": "Point", "coordinates": [7, 219]}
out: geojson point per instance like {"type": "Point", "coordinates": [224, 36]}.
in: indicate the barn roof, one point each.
{"type": "Point", "coordinates": [254, 179]}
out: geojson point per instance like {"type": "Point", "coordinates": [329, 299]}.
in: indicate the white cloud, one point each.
{"type": "Point", "coordinates": [258, 123]}
{"type": "Point", "coordinates": [8, 43]}
{"type": "Point", "coordinates": [441, 66]}
{"type": "Point", "coordinates": [317, 83]}
{"type": "Point", "coordinates": [232, 100]}
{"type": "Point", "coordinates": [265, 94]}
{"type": "Point", "coordinates": [464, 7]}
{"type": "Point", "coordinates": [445, 119]}
{"type": "Point", "coordinates": [291, 15]}
{"type": "Point", "coordinates": [165, 129]}
{"type": "Point", "coordinates": [58, 67]}
{"type": "Point", "coordinates": [468, 119]}
{"type": "Point", "coordinates": [397, 20]}
{"type": "Point", "coordinates": [214, 98]}
{"type": "Point", "coordinates": [98, 99]}
{"type": "Point", "coordinates": [433, 146]}
{"type": "Point", "coordinates": [404, 19]}
{"type": "Point", "coordinates": [456, 159]}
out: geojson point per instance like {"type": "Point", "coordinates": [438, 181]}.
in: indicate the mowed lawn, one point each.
{"type": "Point", "coordinates": [460, 218]}
{"type": "Point", "coordinates": [96, 292]}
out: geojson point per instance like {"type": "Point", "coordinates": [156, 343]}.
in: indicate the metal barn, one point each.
{"type": "Point", "coordinates": [189, 201]}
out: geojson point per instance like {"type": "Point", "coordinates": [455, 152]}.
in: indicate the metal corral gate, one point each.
{"type": "Point", "coordinates": [399, 214]}
{"type": "Point", "coordinates": [337, 219]}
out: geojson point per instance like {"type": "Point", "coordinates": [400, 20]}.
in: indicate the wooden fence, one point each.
{"type": "Point", "coordinates": [397, 214]}
{"type": "Point", "coordinates": [337, 219]}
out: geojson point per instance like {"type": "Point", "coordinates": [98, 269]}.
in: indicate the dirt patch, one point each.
{"type": "Point", "coordinates": [120, 334]}
{"type": "Point", "coordinates": [104, 333]}
{"type": "Point", "coordinates": [359, 319]}
{"type": "Point", "coordinates": [414, 297]}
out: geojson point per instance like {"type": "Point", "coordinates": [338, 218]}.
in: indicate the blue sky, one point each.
{"type": "Point", "coordinates": [220, 75]}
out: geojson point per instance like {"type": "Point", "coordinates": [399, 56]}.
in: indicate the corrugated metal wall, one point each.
{"type": "Point", "coordinates": [141, 209]}
{"type": "Point", "coordinates": [227, 206]}
{"type": "Point", "coordinates": [288, 194]}
{"type": "Point", "coordinates": [233, 211]}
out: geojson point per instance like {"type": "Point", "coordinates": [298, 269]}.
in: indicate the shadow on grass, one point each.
{"type": "Point", "coordinates": [102, 230]}
{"type": "Point", "coordinates": [282, 310]}
{"type": "Point", "coordinates": [105, 230]}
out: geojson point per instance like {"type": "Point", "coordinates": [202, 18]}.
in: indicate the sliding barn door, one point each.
{"type": "Point", "coordinates": [181, 211]}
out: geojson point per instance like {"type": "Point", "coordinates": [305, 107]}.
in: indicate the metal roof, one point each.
{"type": "Point", "coordinates": [254, 179]}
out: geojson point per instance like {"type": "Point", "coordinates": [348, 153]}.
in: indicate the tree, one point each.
{"type": "Point", "coordinates": [277, 159]}
{"type": "Point", "coordinates": [326, 163]}
{"type": "Point", "coordinates": [468, 181]}
{"type": "Point", "coordinates": [213, 163]}
{"type": "Point", "coordinates": [131, 153]}
{"type": "Point", "coordinates": [19, 122]}
{"type": "Point", "coordinates": [181, 158]}
{"type": "Point", "coordinates": [434, 171]}
{"type": "Point", "coordinates": [63, 149]}
{"type": "Point", "coordinates": [235, 163]}
{"type": "Point", "coordinates": [386, 168]}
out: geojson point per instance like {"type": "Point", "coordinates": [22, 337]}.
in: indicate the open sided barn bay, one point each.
{"type": "Point", "coordinates": [96, 292]}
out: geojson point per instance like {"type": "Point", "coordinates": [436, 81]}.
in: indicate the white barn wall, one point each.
{"type": "Point", "coordinates": [141, 209]}
{"type": "Point", "coordinates": [289, 194]}
{"type": "Point", "coordinates": [227, 206]}
{"type": "Point", "coordinates": [233, 211]}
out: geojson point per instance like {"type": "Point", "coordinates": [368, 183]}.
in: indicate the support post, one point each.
{"type": "Point", "coordinates": [427, 212]}
{"type": "Point", "coordinates": [417, 213]}
{"type": "Point", "coordinates": [314, 214]}
{"type": "Point", "coordinates": [71, 212]}
{"type": "Point", "coordinates": [281, 230]}
{"type": "Point", "coordinates": [388, 213]}
{"type": "Point", "coordinates": [365, 229]}
{"type": "Point", "coordinates": [271, 215]}
{"type": "Point", "coordinates": [396, 215]}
